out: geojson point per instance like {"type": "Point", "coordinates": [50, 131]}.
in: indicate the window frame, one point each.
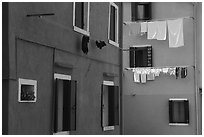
{"type": "Point", "coordinates": [179, 124]}
{"type": "Point", "coordinates": [107, 128]}
{"type": "Point", "coordinates": [80, 30]}
{"type": "Point", "coordinates": [22, 81]}
{"type": "Point", "coordinates": [115, 43]}
{"type": "Point", "coordinates": [62, 77]}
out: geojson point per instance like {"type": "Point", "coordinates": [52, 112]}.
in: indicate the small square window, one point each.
{"type": "Point", "coordinates": [140, 56]}
{"type": "Point", "coordinates": [178, 111]}
{"type": "Point", "coordinates": [27, 90]}
{"type": "Point", "coordinates": [81, 17]}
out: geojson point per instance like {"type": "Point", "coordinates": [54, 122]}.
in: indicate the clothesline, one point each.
{"type": "Point", "coordinates": [130, 22]}
{"type": "Point", "coordinates": [162, 67]}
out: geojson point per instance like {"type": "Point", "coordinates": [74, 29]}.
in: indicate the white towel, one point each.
{"type": "Point", "coordinates": [143, 27]}
{"type": "Point", "coordinates": [175, 31]}
{"type": "Point", "coordinates": [136, 77]}
{"type": "Point", "coordinates": [161, 30]}
{"type": "Point", "coordinates": [143, 77]}
{"type": "Point", "coordinates": [152, 30]}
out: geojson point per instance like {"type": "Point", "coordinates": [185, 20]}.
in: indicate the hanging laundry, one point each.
{"type": "Point", "coordinates": [172, 71]}
{"type": "Point", "coordinates": [143, 27]}
{"type": "Point", "coordinates": [152, 30]}
{"type": "Point", "coordinates": [150, 76]}
{"type": "Point", "coordinates": [175, 31]}
{"type": "Point", "coordinates": [177, 72]}
{"type": "Point", "coordinates": [157, 72]}
{"type": "Point", "coordinates": [143, 77]}
{"type": "Point", "coordinates": [161, 30]}
{"type": "Point", "coordinates": [136, 77]}
{"type": "Point", "coordinates": [165, 70]}
{"type": "Point", "coordinates": [100, 44]}
{"type": "Point", "coordinates": [85, 41]}
{"type": "Point", "coordinates": [134, 28]}
{"type": "Point", "coordinates": [183, 72]}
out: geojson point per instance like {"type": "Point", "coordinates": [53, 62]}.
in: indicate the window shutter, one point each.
{"type": "Point", "coordinates": [58, 127]}
{"type": "Point", "coordinates": [79, 14]}
{"type": "Point", "coordinates": [116, 105]}
{"type": "Point", "coordinates": [149, 56]}
{"type": "Point", "coordinates": [113, 98]}
{"type": "Point", "coordinates": [104, 105]}
{"type": "Point", "coordinates": [186, 105]}
{"type": "Point", "coordinates": [112, 23]}
{"type": "Point", "coordinates": [72, 99]}
{"type": "Point", "coordinates": [111, 101]}
{"type": "Point", "coordinates": [132, 57]}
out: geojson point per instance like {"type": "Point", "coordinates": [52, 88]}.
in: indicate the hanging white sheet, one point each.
{"type": "Point", "coordinates": [161, 30]}
{"type": "Point", "coordinates": [152, 30]}
{"type": "Point", "coordinates": [175, 31]}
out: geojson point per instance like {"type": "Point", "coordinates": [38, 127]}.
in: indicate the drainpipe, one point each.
{"type": "Point", "coordinates": [195, 68]}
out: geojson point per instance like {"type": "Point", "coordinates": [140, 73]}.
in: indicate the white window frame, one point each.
{"type": "Point", "coordinates": [77, 29]}
{"type": "Point", "coordinates": [63, 77]}
{"type": "Point", "coordinates": [178, 124]}
{"type": "Point", "coordinates": [115, 43]}
{"type": "Point", "coordinates": [27, 82]}
{"type": "Point", "coordinates": [108, 83]}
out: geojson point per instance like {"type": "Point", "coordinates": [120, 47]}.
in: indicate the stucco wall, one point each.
{"type": "Point", "coordinates": [37, 44]}
{"type": "Point", "coordinates": [147, 111]}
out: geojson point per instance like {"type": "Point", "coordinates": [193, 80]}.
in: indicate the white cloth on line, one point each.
{"type": "Point", "coordinates": [136, 77]}
{"type": "Point", "coordinates": [175, 31]}
{"type": "Point", "coordinates": [161, 30]}
{"type": "Point", "coordinates": [152, 30]}
{"type": "Point", "coordinates": [143, 27]}
{"type": "Point", "coordinates": [143, 77]}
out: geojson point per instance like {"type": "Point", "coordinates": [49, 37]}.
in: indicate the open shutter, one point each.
{"type": "Point", "coordinates": [116, 105]}
{"type": "Point", "coordinates": [132, 57]}
{"type": "Point", "coordinates": [58, 127]}
{"type": "Point", "coordinates": [73, 89]}
{"type": "Point", "coordinates": [186, 106]}
{"type": "Point", "coordinates": [113, 106]}
{"type": "Point", "coordinates": [104, 105]}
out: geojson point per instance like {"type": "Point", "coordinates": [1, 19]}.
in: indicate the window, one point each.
{"type": "Point", "coordinates": [140, 56]}
{"type": "Point", "coordinates": [27, 91]}
{"type": "Point", "coordinates": [65, 104]}
{"type": "Point", "coordinates": [110, 105]}
{"type": "Point", "coordinates": [141, 11]}
{"type": "Point", "coordinates": [81, 17]}
{"type": "Point", "coordinates": [113, 24]}
{"type": "Point", "coordinates": [178, 111]}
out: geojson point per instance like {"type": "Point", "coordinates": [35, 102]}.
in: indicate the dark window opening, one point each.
{"type": "Point", "coordinates": [179, 111]}
{"type": "Point", "coordinates": [65, 105]}
{"type": "Point", "coordinates": [79, 14]}
{"type": "Point", "coordinates": [141, 11]}
{"type": "Point", "coordinates": [110, 105]}
{"type": "Point", "coordinates": [113, 23]}
{"type": "Point", "coordinates": [140, 56]}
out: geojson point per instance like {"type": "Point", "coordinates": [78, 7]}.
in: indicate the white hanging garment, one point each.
{"type": "Point", "coordinates": [152, 30]}
{"type": "Point", "coordinates": [161, 30]}
{"type": "Point", "coordinates": [143, 27]}
{"type": "Point", "coordinates": [136, 77]}
{"type": "Point", "coordinates": [175, 31]}
{"type": "Point", "coordinates": [150, 76]}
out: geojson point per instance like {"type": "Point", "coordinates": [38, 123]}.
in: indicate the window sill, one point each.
{"type": "Point", "coordinates": [113, 43]}
{"type": "Point", "coordinates": [108, 128]}
{"type": "Point", "coordinates": [178, 124]}
{"type": "Point", "coordinates": [79, 30]}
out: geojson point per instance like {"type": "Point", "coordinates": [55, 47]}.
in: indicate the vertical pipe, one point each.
{"type": "Point", "coordinates": [195, 68]}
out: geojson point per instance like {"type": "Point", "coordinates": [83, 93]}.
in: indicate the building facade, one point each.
{"type": "Point", "coordinates": [59, 62]}
{"type": "Point", "coordinates": [148, 106]}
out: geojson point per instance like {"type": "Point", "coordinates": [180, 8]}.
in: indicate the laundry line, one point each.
{"type": "Point", "coordinates": [130, 22]}
{"type": "Point", "coordinates": [160, 67]}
